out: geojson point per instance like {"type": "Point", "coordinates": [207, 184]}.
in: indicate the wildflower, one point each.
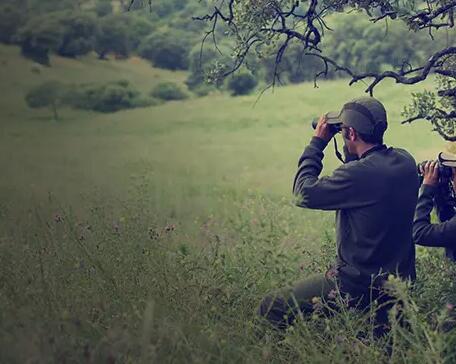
{"type": "Point", "coordinates": [154, 234]}
{"type": "Point", "coordinates": [58, 218]}
{"type": "Point", "coordinates": [317, 304]}
{"type": "Point", "coordinates": [449, 306]}
{"type": "Point", "coordinates": [332, 294]}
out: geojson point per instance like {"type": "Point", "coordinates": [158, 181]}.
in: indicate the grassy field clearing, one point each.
{"type": "Point", "coordinates": [203, 143]}
{"type": "Point", "coordinates": [151, 234]}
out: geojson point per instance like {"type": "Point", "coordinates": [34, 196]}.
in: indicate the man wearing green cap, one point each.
{"type": "Point", "coordinates": [374, 196]}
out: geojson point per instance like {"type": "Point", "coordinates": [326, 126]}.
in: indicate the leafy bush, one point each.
{"type": "Point", "coordinates": [11, 19]}
{"type": "Point", "coordinates": [139, 27]}
{"type": "Point", "coordinates": [70, 34]}
{"type": "Point", "coordinates": [110, 97]}
{"type": "Point", "coordinates": [168, 50]}
{"type": "Point", "coordinates": [44, 7]}
{"type": "Point", "coordinates": [39, 37]}
{"type": "Point", "coordinates": [112, 37]}
{"type": "Point", "coordinates": [103, 8]}
{"type": "Point", "coordinates": [79, 30]}
{"type": "Point", "coordinates": [242, 84]}
{"type": "Point", "coordinates": [168, 91]}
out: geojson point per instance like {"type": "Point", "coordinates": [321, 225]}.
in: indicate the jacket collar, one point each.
{"type": "Point", "coordinates": [373, 149]}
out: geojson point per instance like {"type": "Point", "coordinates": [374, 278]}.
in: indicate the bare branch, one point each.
{"type": "Point", "coordinates": [310, 36]}
{"type": "Point", "coordinates": [401, 77]}
{"type": "Point", "coordinates": [412, 119]}
{"type": "Point", "coordinates": [437, 121]}
{"type": "Point", "coordinates": [424, 19]}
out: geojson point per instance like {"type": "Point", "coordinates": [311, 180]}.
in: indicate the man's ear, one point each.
{"type": "Point", "coordinates": [352, 135]}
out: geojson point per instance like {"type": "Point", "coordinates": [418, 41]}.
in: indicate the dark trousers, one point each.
{"type": "Point", "coordinates": [283, 307]}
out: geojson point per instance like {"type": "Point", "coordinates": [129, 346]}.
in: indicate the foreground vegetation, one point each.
{"type": "Point", "coordinates": [151, 235]}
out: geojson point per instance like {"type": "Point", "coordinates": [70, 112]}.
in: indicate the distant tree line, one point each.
{"type": "Point", "coordinates": [169, 37]}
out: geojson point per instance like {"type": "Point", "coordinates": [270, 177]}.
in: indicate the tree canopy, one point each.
{"type": "Point", "coordinates": [259, 26]}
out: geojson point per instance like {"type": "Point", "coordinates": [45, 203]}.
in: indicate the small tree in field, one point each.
{"type": "Point", "coordinates": [47, 95]}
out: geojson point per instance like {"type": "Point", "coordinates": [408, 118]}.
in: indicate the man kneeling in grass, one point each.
{"type": "Point", "coordinates": [374, 196]}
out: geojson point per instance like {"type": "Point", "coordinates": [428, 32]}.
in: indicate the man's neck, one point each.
{"type": "Point", "coordinates": [363, 148]}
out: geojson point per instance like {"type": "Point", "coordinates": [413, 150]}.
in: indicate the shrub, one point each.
{"type": "Point", "coordinates": [103, 8]}
{"type": "Point", "coordinates": [110, 97]}
{"type": "Point", "coordinates": [168, 91]}
{"type": "Point", "coordinates": [203, 89]}
{"type": "Point", "coordinates": [112, 37]}
{"type": "Point", "coordinates": [242, 84]}
{"type": "Point", "coordinates": [138, 28]}
{"type": "Point", "coordinates": [166, 50]}
{"type": "Point", "coordinates": [11, 18]}
{"type": "Point", "coordinates": [79, 30]}
{"type": "Point", "coordinates": [38, 38]}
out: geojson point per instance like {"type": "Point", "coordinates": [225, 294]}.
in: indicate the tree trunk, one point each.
{"type": "Point", "coordinates": [54, 110]}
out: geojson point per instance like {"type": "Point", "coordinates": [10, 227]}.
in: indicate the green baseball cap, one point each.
{"type": "Point", "coordinates": [366, 115]}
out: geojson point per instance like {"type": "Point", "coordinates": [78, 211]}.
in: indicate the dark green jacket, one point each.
{"type": "Point", "coordinates": [435, 235]}
{"type": "Point", "coordinates": [375, 199]}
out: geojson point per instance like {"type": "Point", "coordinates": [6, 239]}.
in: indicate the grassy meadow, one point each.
{"type": "Point", "coordinates": [150, 235]}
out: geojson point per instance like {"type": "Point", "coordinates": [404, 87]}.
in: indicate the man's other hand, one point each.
{"type": "Point", "coordinates": [430, 173]}
{"type": "Point", "coordinates": [323, 129]}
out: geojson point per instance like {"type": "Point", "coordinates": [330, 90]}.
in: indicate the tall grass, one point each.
{"type": "Point", "coordinates": [120, 287]}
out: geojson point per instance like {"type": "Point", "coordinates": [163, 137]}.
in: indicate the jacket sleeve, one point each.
{"type": "Point", "coordinates": [425, 233]}
{"type": "Point", "coordinates": [336, 192]}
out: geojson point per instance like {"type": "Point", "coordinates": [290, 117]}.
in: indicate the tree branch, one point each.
{"type": "Point", "coordinates": [401, 77]}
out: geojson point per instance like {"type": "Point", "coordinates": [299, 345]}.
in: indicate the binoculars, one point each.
{"type": "Point", "coordinates": [446, 162]}
{"type": "Point", "coordinates": [334, 127]}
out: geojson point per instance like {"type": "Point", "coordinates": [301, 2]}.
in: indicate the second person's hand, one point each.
{"type": "Point", "coordinates": [430, 173]}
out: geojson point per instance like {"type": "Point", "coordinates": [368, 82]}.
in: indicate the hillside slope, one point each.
{"type": "Point", "coordinates": [182, 148]}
